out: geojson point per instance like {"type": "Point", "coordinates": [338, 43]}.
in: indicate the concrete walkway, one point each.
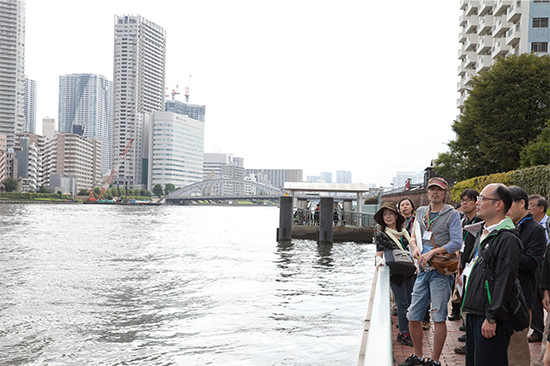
{"type": "Point", "coordinates": [448, 357]}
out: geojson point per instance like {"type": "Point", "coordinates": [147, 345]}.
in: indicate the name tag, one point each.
{"type": "Point", "coordinates": [427, 235]}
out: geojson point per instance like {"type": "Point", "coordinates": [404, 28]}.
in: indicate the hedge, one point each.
{"type": "Point", "coordinates": [535, 180]}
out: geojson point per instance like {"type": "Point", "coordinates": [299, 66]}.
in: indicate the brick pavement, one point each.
{"type": "Point", "coordinates": [448, 356]}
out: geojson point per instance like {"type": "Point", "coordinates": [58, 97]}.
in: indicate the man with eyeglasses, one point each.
{"type": "Point", "coordinates": [534, 244]}
{"type": "Point", "coordinates": [497, 250]}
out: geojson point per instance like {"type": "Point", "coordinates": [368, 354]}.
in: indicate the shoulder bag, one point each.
{"type": "Point", "coordinates": [446, 264]}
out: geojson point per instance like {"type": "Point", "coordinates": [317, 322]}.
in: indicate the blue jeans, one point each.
{"type": "Point", "coordinates": [481, 351]}
{"type": "Point", "coordinates": [402, 295]}
{"type": "Point", "coordinates": [431, 287]}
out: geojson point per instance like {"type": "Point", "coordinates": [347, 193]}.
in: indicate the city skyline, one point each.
{"type": "Point", "coordinates": [279, 84]}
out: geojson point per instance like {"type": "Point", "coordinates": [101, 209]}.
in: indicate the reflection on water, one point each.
{"type": "Point", "coordinates": [115, 285]}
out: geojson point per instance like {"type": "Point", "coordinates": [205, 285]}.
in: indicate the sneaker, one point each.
{"type": "Point", "coordinates": [430, 362]}
{"type": "Point", "coordinates": [426, 325]}
{"type": "Point", "coordinates": [462, 338]}
{"type": "Point", "coordinates": [412, 361]}
{"type": "Point", "coordinates": [535, 337]}
{"type": "Point", "coordinates": [460, 350]}
{"type": "Point", "coordinates": [406, 339]}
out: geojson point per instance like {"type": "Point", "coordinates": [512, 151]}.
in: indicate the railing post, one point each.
{"type": "Point", "coordinates": [284, 232]}
{"type": "Point", "coordinates": [325, 221]}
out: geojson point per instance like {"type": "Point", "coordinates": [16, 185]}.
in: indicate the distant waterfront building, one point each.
{"type": "Point", "coordinates": [12, 69]}
{"type": "Point", "coordinates": [85, 108]}
{"type": "Point", "coordinates": [276, 177]}
{"type": "Point", "coordinates": [343, 176]}
{"type": "Point", "coordinates": [326, 177]}
{"type": "Point", "coordinates": [48, 127]}
{"type": "Point", "coordinates": [176, 149]}
{"type": "Point", "coordinates": [3, 157]}
{"type": "Point", "coordinates": [401, 178]}
{"type": "Point", "coordinates": [493, 29]}
{"type": "Point", "coordinates": [233, 167]}
{"type": "Point", "coordinates": [30, 105]}
{"type": "Point", "coordinates": [194, 111]}
{"type": "Point", "coordinates": [313, 178]}
{"type": "Point", "coordinates": [138, 87]}
{"type": "Point", "coordinates": [29, 163]}
{"type": "Point", "coordinates": [72, 155]}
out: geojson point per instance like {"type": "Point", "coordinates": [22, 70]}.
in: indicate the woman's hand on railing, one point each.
{"type": "Point", "coordinates": [379, 261]}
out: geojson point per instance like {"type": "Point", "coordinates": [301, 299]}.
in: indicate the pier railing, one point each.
{"type": "Point", "coordinates": [341, 218]}
{"type": "Point", "coordinates": [376, 343]}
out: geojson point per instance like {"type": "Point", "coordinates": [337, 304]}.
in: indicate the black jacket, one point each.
{"type": "Point", "coordinates": [486, 296]}
{"type": "Point", "coordinates": [533, 237]}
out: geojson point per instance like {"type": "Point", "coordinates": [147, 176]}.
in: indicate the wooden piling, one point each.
{"type": "Point", "coordinates": [325, 221]}
{"type": "Point", "coordinates": [284, 231]}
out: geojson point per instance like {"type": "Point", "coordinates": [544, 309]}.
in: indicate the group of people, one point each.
{"type": "Point", "coordinates": [500, 236]}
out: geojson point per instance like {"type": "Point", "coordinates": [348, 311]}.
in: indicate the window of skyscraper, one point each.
{"type": "Point", "coordinates": [540, 22]}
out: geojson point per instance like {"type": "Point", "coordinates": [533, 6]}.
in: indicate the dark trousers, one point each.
{"type": "Point", "coordinates": [537, 320]}
{"type": "Point", "coordinates": [481, 351]}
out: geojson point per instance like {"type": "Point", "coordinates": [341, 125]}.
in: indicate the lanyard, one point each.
{"type": "Point", "coordinates": [430, 223]}
{"type": "Point", "coordinates": [525, 218]}
{"type": "Point", "coordinates": [466, 234]}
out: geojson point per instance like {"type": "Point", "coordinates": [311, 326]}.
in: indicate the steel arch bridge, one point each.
{"type": "Point", "coordinates": [225, 187]}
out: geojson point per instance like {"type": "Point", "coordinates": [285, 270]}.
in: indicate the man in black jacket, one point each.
{"type": "Point", "coordinates": [533, 238]}
{"type": "Point", "coordinates": [495, 266]}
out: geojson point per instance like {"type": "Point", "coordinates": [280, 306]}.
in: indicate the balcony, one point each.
{"type": "Point", "coordinates": [462, 37]}
{"type": "Point", "coordinates": [471, 9]}
{"type": "Point", "coordinates": [499, 48]}
{"type": "Point", "coordinates": [483, 63]}
{"type": "Point", "coordinates": [485, 25]}
{"type": "Point", "coordinates": [460, 86]}
{"type": "Point", "coordinates": [463, 20]}
{"type": "Point", "coordinates": [501, 27]}
{"type": "Point", "coordinates": [513, 36]}
{"type": "Point", "coordinates": [470, 60]}
{"type": "Point", "coordinates": [462, 53]}
{"type": "Point", "coordinates": [513, 13]}
{"type": "Point", "coordinates": [471, 26]}
{"type": "Point", "coordinates": [461, 71]}
{"type": "Point", "coordinates": [463, 4]}
{"type": "Point", "coordinates": [484, 44]}
{"type": "Point", "coordinates": [471, 43]}
{"type": "Point", "coordinates": [485, 6]}
{"type": "Point", "coordinates": [500, 7]}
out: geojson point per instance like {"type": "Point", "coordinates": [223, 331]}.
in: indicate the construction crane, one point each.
{"type": "Point", "coordinates": [109, 178]}
{"type": "Point", "coordinates": [187, 90]}
{"type": "Point", "coordinates": [174, 93]}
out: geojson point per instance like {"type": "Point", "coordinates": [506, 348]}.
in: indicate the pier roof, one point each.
{"type": "Point", "coordinates": [325, 187]}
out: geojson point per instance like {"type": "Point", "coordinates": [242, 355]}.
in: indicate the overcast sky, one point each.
{"type": "Point", "coordinates": [365, 86]}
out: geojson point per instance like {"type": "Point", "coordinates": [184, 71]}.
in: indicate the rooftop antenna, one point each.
{"type": "Point", "coordinates": [187, 90]}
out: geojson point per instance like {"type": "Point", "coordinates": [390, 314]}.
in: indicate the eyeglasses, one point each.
{"type": "Point", "coordinates": [480, 198]}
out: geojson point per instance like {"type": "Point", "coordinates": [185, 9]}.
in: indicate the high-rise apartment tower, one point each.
{"type": "Point", "coordinates": [12, 68]}
{"type": "Point", "coordinates": [138, 87]}
{"type": "Point", "coordinates": [30, 105]}
{"type": "Point", "coordinates": [498, 28]}
{"type": "Point", "coordinates": [86, 100]}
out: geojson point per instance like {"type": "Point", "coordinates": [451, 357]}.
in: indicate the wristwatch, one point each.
{"type": "Point", "coordinates": [491, 321]}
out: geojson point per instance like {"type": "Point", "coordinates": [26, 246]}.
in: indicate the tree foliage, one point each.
{"type": "Point", "coordinates": [10, 184]}
{"type": "Point", "coordinates": [169, 187]}
{"type": "Point", "coordinates": [506, 110]}
{"type": "Point", "coordinates": [157, 190]}
{"type": "Point", "coordinates": [538, 151]}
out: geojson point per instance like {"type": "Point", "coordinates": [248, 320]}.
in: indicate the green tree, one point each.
{"type": "Point", "coordinates": [44, 189]}
{"type": "Point", "coordinates": [82, 192]}
{"type": "Point", "coordinates": [538, 151]}
{"type": "Point", "coordinates": [10, 184]}
{"type": "Point", "coordinates": [507, 108]}
{"type": "Point", "coordinates": [157, 190]}
{"type": "Point", "coordinates": [169, 187]}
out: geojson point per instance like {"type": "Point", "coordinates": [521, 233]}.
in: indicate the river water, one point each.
{"type": "Point", "coordinates": [174, 285]}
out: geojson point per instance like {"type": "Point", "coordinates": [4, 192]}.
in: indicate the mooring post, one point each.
{"type": "Point", "coordinates": [284, 232]}
{"type": "Point", "coordinates": [325, 221]}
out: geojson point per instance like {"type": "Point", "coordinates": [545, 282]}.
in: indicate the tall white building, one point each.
{"type": "Point", "coordinates": [138, 87]}
{"type": "Point", "coordinates": [30, 105]}
{"type": "Point", "coordinates": [498, 28]}
{"type": "Point", "coordinates": [86, 100]}
{"type": "Point", "coordinates": [176, 149]}
{"type": "Point", "coordinates": [12, 68]}
{"type": "Point", "coordinates": [48, 127]}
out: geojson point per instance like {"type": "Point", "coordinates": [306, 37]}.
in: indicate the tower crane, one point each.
{"type": "Point", "coordinates": [175, 92]}
{"type": "Point", "coordinates": [187, 90]}
{"type": "Point", "coordinates": [111, 175]}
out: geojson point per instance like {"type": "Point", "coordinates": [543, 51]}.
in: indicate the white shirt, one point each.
{"type": "Point", "coordinates": [543, 224]}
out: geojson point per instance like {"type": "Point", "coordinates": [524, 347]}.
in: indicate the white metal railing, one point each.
{"type": "Point", "coordinates": [376, 343]}
{"type": "Point", "coordinates": [340, 218]}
